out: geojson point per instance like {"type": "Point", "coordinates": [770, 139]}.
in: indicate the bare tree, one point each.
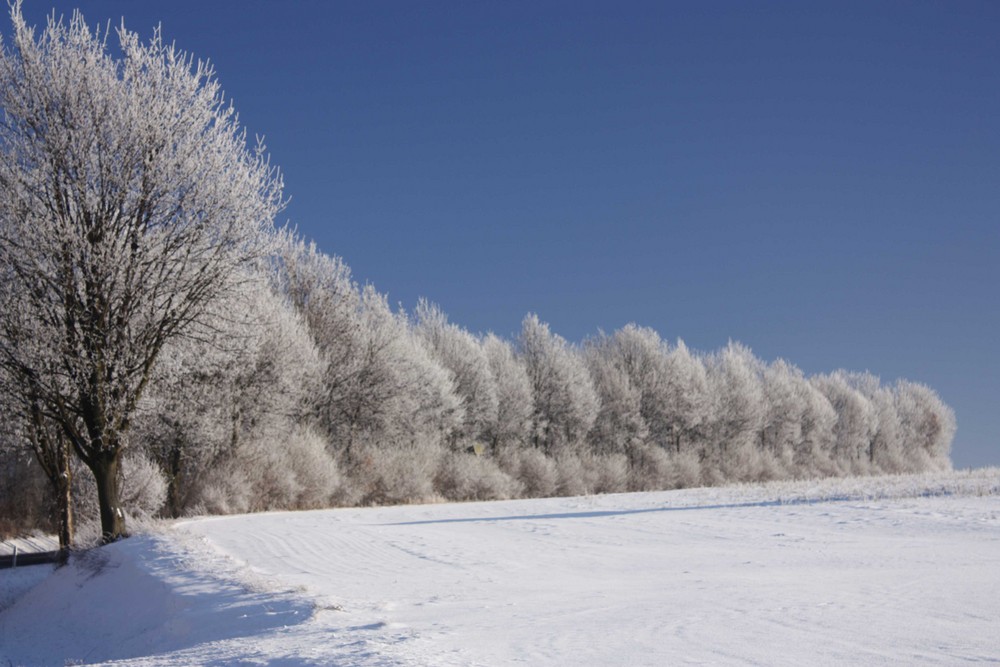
{"type": "Point", "coordinates": [129, 201]}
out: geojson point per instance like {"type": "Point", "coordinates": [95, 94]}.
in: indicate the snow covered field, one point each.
{"type": "Point", "coordinates": [891, 571]}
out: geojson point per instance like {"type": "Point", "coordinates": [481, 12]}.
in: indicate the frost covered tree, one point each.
{"type": "Point", "coordinates": [512, 428]}
{"type": "Point", "coordinates": [686, 404]}
{"type": "Point", "coordinates": [397, 409]}
{"type": "Point", "coordinates": [214, 401]}
{"type": "Point", "coordinates": [129, 202]}
{"type": "Point", "coordinates": [814, 452]}
{"type": "Point", "coordinates": [380, 383]}
{"type": "Point", "coordinates": [619, 369]}
{"type": "Point", "coordinates": [926, 425]}
{"type": "Point", "coordinates": [322, 291]}
{"type": "Point", "coordinates": [673, 386]}
{"type": "Point", "coordinates": [668, 405]}
{"type": "Point", "coordinates": [392, 390]}
{"type": "Point", "coordinates": [463, 355]}
{"type": "Point", "coordinates": [565, 403]}
{"type": "Point", "coordinates": [856, 424]}
{"type": "Point", "coordinates": [786, 396]}
{"type": "Point", "coordinates": [736, 426]}
{"type": "Point", "coordinates": [405, 393]}
{"type": "Point", "coordinates": [885, 450]}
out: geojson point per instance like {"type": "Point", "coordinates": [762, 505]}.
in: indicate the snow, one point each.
{"type": "Point", "coordinates": [14, 583]}
{"type": "Point", "coordinates": [34, 543]}
{"type": "Point", "coordinates": [851, 572]}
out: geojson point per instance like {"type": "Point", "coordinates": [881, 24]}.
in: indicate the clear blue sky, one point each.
{"type": "Point", "coordinates": [820, 181]}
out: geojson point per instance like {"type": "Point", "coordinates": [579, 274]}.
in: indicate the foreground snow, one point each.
{"type": "Point", "coordinates": [849, 572]}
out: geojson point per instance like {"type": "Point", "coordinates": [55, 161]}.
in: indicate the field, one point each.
{"type": "Point", "coordinates": [899, 570]}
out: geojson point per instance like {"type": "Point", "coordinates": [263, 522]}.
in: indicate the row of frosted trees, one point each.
{"type": "Point", "coordinates": [161, 337]}
{"type": "Point", "coordinates": [308, 390]}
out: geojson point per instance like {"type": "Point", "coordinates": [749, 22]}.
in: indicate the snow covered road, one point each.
{"type": "Point", "coordinates": [724, 576]}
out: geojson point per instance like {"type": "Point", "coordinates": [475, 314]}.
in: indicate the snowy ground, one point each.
{"type": "Point", "coordinates": [869, 572]}
{"type": "Point", "coordinates": [29, 544]}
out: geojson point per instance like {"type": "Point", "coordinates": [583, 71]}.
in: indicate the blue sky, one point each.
{"type": "Point", "coordinates": [816, 180]}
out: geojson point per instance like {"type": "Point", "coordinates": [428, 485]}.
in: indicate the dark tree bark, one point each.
{"type": "Point", "coordinates": [174, 482]}
{"type": "Point", "coordinates": [64, 501]}
{"type": "Point", "coordinates": [106, 468]}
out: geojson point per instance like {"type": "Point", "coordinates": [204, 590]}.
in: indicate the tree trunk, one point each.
{"type": "Point", "coordinates": [105, 467]}
{"type": "Point", "coordinates": [64, 501]}
{"type": "Point", "coordinates": [174, 482]}
{"type": "Point", "coordinates": [52, 451]}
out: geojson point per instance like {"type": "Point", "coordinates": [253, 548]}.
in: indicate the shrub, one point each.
{"type": "Point", "coordinates": [607, 473]}
{"type": "Point", "coordinates": [651, 469]}
{"type": "Point", "coordinates": [316, 472]}
{"type": "Point", "coordinates": [463, 476]}
{"type": "Point", "coordinates": [535, 471]}
{"type": "Point", "coordinates": [383, 475]}
{"type": "Point", "coordinates": [144, 490]}
{"type": "Point", "coordinates": [261, 475]}
{"type": "Point", "coordinates": [685, 470]}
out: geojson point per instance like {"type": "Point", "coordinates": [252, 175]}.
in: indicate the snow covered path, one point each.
{"type": "Point", "coordinates": [689, 577]}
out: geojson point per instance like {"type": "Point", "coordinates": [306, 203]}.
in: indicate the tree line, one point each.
{"type": "Point", "coordinates": [304, 389]}
{"type": "Point", "coordinates": [158, 332]}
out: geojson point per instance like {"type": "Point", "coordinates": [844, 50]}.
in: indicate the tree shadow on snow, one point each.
{"type": "Point", "coordinates": [132, 599]}
{"type": "Point", "coordinates": [594, 514]}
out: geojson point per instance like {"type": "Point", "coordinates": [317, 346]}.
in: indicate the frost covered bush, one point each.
{"type": "Point", "coordinates": [225, 489]}
{"type": "Point", "coordinates": [384, 475]}
{"type": "Point", "coordinates": [685, 471]}
{"type": "Point", "coordinates": [295, 472]}
{"type": "Point", "coordinates": [144, 489]}
{"type": "Point", "coordinates": [571, 476]}
{"type": "Point", "coordinates": [272, 420]}
{"type": "Point", "coordinates": [607, 473]}
{"type": "Point", "coordinates": [535, 471]}
{"type": "Point", "coordinates": [464, 476]}
{"type": "Point", "coordinates": [315, 470]}
{"type": "Point", "coordinates": [651, 470]}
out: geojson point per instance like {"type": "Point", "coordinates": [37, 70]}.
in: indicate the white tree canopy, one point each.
{"type": "Point", "coordinates": [129, 201]}
{"type": "Point", "coordinates": [565, 403]}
